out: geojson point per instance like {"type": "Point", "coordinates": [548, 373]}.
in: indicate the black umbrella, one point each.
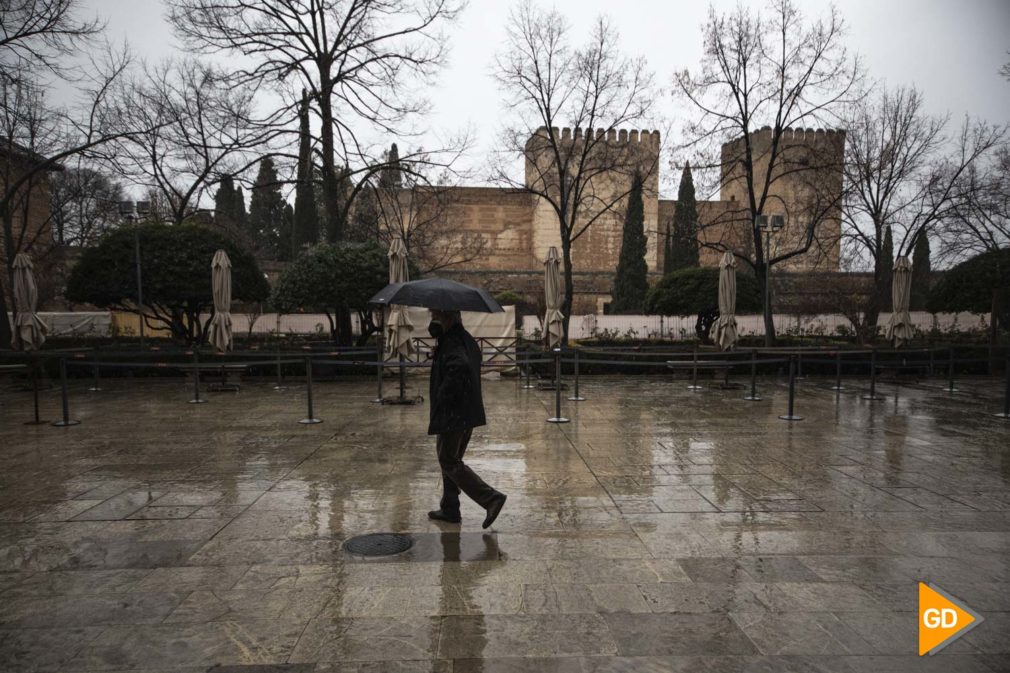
{"type": "Point", "coordinates": [439, 294]}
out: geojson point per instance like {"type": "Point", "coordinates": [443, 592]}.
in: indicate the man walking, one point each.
{"type": "Point", "coordinates": [457, 408]}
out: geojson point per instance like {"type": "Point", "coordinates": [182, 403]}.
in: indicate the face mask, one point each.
{"type": "Point", "coordinates": [435, 329]}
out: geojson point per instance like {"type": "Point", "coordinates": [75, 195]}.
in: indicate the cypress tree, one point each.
{"type": "Point", "coordinates": [238, 210]}
{"type": "Point", "coordinates": [284, 245]}
{"type": "Point", "coordinates": [631, 282]}
{"type": "Point", "coordinates": [224, 204]}
{"type": "Point", "coordinates": [266, 210]}
{"type": "Point", "coordinates": [391, 175]}
{"type": "Point", "coordinates": [305, 230]}
{"type": "Point", "coordinates": [684, 240]}
{"type": "Point", "coordinates": [921, 268]}
{"type": "Point", "coordinates": [337, 229]}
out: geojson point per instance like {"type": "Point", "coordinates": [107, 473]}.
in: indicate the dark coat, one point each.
{"type": "Point", "coordinates": [454, 389]}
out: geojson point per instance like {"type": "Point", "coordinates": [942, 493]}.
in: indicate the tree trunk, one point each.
{"type": "Point", "coordinates": [330, 187]}
{"type": "Point", "coordinates": [566, 304]}
{"type": "Point", "coordinates": [6, 332]}
{"type": "Point", "coordinates": [766, 304]}
{"type": "Point", "coordinates": [345, 334]}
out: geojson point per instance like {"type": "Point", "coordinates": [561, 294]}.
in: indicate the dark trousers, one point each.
{"type": "Point", "coordinates": [456, 476]}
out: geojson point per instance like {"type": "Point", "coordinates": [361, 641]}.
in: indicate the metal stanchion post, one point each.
{"type": "Point", "coordinates": [557, 418]}
{"type": "Point", "coordinates": [279, 384]}
{"type": "Point", "coordinates": [310, 419]}
{"type": "Point", "coordinates": [67, 421]}
{"type": "Point", "coordinates": [378, 369]}
{"type": "Point", "coordinates": [576, 397]}
{"type": "Point", "coordinates": [35, 392]}
{"type": "Point", "coordinates": [1006, 392]}
{"type": "Point", "coordinates": [694, 370]}
{"type": "Point", "coordinates": [96, 385]}
{"type": "Point", "coordinates": [529, 366]}
{"type": "Point", "coordinates": [838, 372]}
{"type": "Point", "coordinates": [873, 377]}
{"type": "Point", "coordinates": [753, 397]}
{"type": "Point", "coordinates": [196, 379]}
{"type": "Point", "coordinates": [403, 380]}
{"type": "Point", "coordinates": [792, 392]}
{"type": "Point", "coordinates": [950, 370]}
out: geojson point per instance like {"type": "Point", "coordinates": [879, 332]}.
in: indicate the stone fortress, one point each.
{"type": "Point", "coordinates": [518, 227]}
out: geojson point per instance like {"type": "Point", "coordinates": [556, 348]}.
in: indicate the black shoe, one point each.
{"type": "Point", "coordinates": [494, 509]}
{"type": "Point", "coordinates": [439, 515]}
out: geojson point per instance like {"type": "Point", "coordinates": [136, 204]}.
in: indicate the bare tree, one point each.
{"type": "Point", "coordinates": [83, 203]}
{"type": "Point", "coordinates": [768, 68]}
{"type": "Point", "coordinates": [199, 128]}
{"type": "Point", "coordinates": [585, 174]}
{"type": "Point", "coordinates": [42, 34]}
{"type": "Point", "coordinates": [419, 210]}
{"type": "Point", "coordinates": [35, 138]}
{"type": "Point", "coordinates": [360, 61]}
{"type": "Point", "coordinates": [904, 174]}
{"type": "Point", "coordinates": [979, 221]}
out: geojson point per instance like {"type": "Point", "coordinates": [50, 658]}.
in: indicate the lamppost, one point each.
{"type": "Point", "coordinates": [133, 212]}
{"type": "Point", "coordinates": [769, 224]}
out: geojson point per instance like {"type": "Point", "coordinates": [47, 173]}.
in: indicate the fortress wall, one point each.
{"type": "Point", "coordinates": [807, 177]}
{"type": "Point", "coordinates": [623, 152]}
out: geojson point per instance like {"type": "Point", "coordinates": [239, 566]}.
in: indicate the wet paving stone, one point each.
{"type": "Point", "coordinates": [661, 530]}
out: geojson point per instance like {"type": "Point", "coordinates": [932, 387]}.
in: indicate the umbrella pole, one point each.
{"type": "Point", "coordinates": [196, 379]}
{"type": "Point", "coordinates": [96, 385]}
{"type": "Point", "coordinates": [838, 371]}
{"type": "Point", "coordinates": [279, 384]}
{"type": "Point", "coordinates": [576, 397]}
{"type": "Point", "coordinates": [378, 354]}
{"type": "Point", "coordinates": [791, 416]}
{"type": "Point", "coordinates": [67, 421]}
{"type": "Point", "coordinates": [873, 377]}
{"type": "Point", "coordinates": [35, 390]}
{"type": "Point", "coordinates": [557, 418]}
{"type": "Point", "coordinates": [950, 370]}
{"type": "Point", "coordinates": [694, 370]}
{"type": "Point", "coordinates": [1006, 392]}
{"type": "Point", "coordinates": [403, 376]}
{"type": "Point", "coordinates": [311, 418]}
{"type": "Point", "coordinates": [753, 397]}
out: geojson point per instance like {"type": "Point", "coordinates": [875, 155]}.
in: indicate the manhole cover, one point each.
{"type": "Point", "coordinates": [378, 544]}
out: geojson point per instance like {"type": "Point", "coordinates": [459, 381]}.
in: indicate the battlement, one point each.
{"type": "Point", "coordinates": [620, 136]}
{"type": "Point", "coordinates": [794, 136]}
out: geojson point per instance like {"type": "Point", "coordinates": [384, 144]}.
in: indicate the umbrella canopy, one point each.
{"type": "Point", "coordinates": [899, 328]}
{"type": "Point", "coordinates": [220, 324]}
{"type": "Point", "coordinates": [398, 324]}
{"type": "Point", "coordinates": [554, 319]}
{"type": "Point", "coordinates": [725, 326]}
{"type": "Point", "coordinates": [439, 294]}
{"type": "Point", "coordinates": [28, 328]}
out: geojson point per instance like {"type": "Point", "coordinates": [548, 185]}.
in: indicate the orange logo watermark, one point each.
{"type": "Point", "coordinates": [942, 619]}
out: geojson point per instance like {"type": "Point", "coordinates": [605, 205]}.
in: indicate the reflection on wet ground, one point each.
{"type": "Point", "coordinates": [662, 530]}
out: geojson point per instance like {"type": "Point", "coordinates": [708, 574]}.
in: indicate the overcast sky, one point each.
{"type": "Point", "coordinates": [951, 50]}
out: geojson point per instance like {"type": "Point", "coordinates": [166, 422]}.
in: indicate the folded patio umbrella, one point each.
{"type": "Point", "coordinates": [439, 294]}
{"type": "Point", "coordinates": [28, 328]}
{"type": "Point", "coordinates": [725, 325]}
{"type": "Point", "coordinates": [398, 325]}
{"type": "Point", "coordinates": [220, 323]}
{"type": "Point", "coordinates": [899, 327]}
{"type": "Point", "coordinates": [554, 319]}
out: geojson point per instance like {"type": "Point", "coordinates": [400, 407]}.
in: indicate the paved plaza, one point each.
{"type": "Point", "coordinates": [661, 530]}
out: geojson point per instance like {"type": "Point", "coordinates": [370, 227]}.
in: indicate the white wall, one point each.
{"type": "Point", "coordinates": [677, 327]}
